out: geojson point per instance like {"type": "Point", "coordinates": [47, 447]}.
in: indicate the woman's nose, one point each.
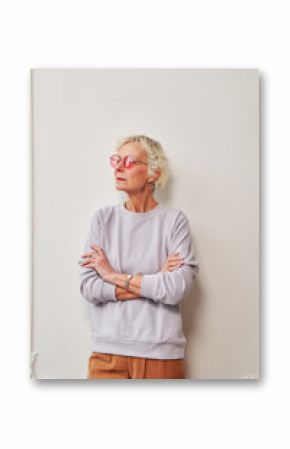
{"type": "Point", "coordinates": [119, 164]}
{"type": "Point", "coordinates": [119, 168]}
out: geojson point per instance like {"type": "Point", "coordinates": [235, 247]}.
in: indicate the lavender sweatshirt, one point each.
{"type": "Point", "coordinates": [149, 326]}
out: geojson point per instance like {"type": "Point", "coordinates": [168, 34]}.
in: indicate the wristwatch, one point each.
{"type": "Point", "coordinates": [128, 277]}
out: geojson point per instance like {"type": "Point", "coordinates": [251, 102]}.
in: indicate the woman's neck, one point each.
{"type": "Point", "coordinates": [134, 205]}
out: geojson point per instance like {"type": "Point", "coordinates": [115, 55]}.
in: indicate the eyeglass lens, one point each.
{"type": "Point", "coordinates": [127, 160]}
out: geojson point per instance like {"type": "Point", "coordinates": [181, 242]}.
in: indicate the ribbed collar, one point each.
{"type": "Point", "coordinates": [150, 212]}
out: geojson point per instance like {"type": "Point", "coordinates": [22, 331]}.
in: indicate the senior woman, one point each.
{"type": "Point", "coordinates": [138, 266]}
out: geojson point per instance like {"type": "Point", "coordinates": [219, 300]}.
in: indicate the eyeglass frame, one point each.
{"type": "Point", "coordinates": [121, 159]}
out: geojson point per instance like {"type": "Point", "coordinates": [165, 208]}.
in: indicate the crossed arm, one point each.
{"type": "Point", "coordinates": [134, 289]}
{"type": "Point", "coordinates": [166, 286]}
{"type": "Point", "coordinates": [134, 286]}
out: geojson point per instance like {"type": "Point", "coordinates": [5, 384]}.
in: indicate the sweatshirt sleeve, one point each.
{"type": "Point", "coordinates": [172, 287]}
{"type": "Point", "coordinates": [92, 286]}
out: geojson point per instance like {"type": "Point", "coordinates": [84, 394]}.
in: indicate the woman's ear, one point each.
{"type": "Point", "coordinates": [152, 179]}
{"type": "Point", "coordinates": [157, 174]}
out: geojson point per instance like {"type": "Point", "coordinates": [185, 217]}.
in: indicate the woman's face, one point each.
{"type": "Point", "coordinates": [136, 177]}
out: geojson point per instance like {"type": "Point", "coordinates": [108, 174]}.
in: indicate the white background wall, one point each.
{"type": "Point", "coordinates": [208, 124]}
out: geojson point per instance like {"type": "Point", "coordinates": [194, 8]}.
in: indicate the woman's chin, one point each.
{"type": "Point", "coordinates": [121, 188]}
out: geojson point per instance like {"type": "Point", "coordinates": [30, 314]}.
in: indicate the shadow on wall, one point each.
{"type": "Point", "coordinates": [190, 312]}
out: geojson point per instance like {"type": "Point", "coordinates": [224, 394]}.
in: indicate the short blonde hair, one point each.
{"type": "Point", "coordinates": [156, 157]}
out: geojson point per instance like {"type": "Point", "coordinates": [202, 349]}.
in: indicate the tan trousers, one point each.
{"type": "Point", "coordinates": [112, 366]}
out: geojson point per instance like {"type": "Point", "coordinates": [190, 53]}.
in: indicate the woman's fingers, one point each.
{"type": "Point", "coordinates": [174, 256]}
{"type": "Point", "coordinates": [89, 254]}
{"type": "Point", "coordinates": [87, 261]}
{"type": "Point", "coordinates": [175, 264]}
{"type": "Point", "coordinates": [94, 250]}
{"type": "Point", "coordinates": [96, 247]}
{"type": "Point", "coordinates": [175, 259]}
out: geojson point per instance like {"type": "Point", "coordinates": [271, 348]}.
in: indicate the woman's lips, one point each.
{"type": "Point", "coordinates": [121, 179]}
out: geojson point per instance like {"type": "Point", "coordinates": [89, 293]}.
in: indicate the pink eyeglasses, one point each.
{"type": "Point", "coordinates": [127, 161]}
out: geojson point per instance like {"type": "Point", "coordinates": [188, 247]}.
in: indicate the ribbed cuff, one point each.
{"type": "Point", "coordinates": [109, 291]}
{"type": "Point", "coordinates": [148, 285]}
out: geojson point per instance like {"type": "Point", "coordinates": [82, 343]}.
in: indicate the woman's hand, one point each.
{"type": "Point", "coordinates": [172, 262]}
{"type": "Point", "coordinates": [123, 294]}
{"type": "Point", "coordinates": [97, 259]}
